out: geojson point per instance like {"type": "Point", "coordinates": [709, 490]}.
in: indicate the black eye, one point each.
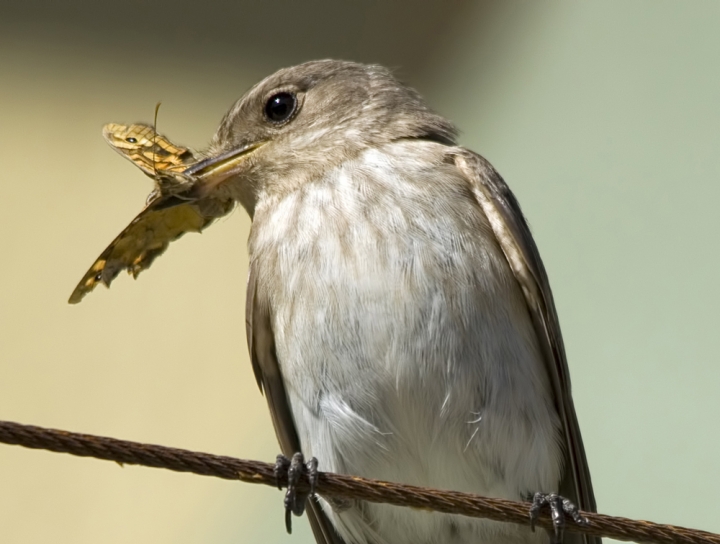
{"type": "Point", "coordinates": [280, 107]}
{"type": "Point", "coordinates": [131, 140]}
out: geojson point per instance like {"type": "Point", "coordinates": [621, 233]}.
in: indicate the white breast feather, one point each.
{"type": "Point", "coordinates": [405, 344]}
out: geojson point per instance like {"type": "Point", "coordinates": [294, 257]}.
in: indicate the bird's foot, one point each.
{"type": "Point", "coordinates": [294, 469]}
{"type": "Point", "coordinates": [559, 508]}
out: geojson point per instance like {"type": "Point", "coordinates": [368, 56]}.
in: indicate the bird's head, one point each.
{"type": "Point", "coordinates": [298, 122]}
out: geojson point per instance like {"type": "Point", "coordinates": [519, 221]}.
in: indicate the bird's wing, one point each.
{"type": "Point", "coordinates": [513, 235]}
{"type": "Point", "coordinates": [261, 344]}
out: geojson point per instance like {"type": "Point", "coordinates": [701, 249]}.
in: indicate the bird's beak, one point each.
{"type": "Point", "coordinates": [213, 171]}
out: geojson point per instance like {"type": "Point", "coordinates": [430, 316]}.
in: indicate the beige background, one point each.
{"type": "Point", "coordinates": [603, 116]}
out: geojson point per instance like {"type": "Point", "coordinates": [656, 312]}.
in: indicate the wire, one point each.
{"type": "Point", "coordinates": [337, 485]}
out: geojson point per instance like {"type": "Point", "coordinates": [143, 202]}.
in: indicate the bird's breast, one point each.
{"type": "Point", "coordinates": [403, 338]}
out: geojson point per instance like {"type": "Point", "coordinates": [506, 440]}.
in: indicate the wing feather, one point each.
{"type": "Point", "coordinates": [261, 345]}
{"type": "Point", "coordinates": [513, 235]}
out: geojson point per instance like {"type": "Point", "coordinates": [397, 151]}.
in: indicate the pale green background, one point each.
{"type": "Point", "coordinates": [603, 116]}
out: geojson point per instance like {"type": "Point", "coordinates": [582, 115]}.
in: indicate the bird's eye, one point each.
{"type": "Point", "coordinates": [280, 107]}
{"type": "Point", "coordinates": [131, 140]}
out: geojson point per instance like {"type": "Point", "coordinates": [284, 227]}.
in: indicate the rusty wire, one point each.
{"type": "Point", "coordinates": [336, 485]}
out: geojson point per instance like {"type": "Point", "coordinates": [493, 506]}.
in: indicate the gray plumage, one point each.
{"type": "Point", "coordinates": [399, 317]}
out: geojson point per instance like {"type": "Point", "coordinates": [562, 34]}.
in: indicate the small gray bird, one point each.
{"type": "Point", "coordinates": [399, 316]}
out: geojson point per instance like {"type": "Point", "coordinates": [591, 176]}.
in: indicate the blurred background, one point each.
{"type": "Point", "coordinates": [603, 116]}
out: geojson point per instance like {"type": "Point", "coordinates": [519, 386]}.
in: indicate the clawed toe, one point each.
{"type": "Point", "coordinates": [559, 508]}
{"type": "Point", "coordinates": [282, 464]}
{"type": "Point", "coordinates": [294, 469]}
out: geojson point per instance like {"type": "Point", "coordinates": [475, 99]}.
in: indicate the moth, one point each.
{"type": "Point", "coordinates": [171, 209]}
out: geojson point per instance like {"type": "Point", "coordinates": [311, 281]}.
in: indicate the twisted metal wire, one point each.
{"type": "Point", "coordinates": [337, 485]}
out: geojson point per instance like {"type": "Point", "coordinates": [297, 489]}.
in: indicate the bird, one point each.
{"type": "Point", "coordinates": [399, 317]}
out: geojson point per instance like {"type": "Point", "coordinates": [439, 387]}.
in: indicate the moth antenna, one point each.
{"type": "Point", "coordinates": [157, 108]}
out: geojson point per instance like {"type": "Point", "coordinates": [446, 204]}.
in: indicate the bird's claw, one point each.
{"type": "Point", "coordinates": [282, 464]}
{"type": "Point", "coordinates": [294, 469]}
{"type": "Point", "coordinates": [559, 508]}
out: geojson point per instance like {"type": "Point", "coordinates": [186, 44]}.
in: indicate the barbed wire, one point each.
{"type": "Point", "coordinates": [337, 485]}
